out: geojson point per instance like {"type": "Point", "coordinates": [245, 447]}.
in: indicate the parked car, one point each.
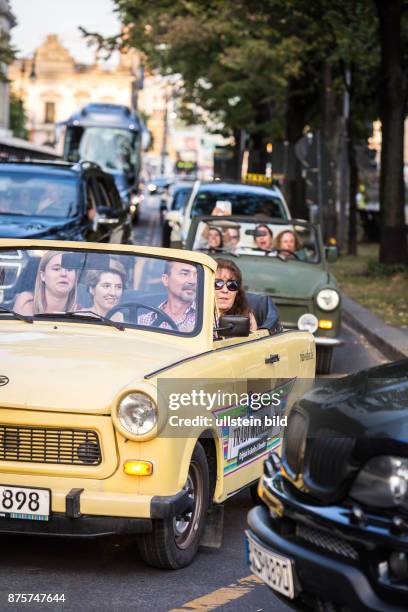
{"type": "Point", "coordinates": [89, 391]}
{"type": "Point", "coordinates": [304, 291]}
{"type": "Point", "coordinates": [61, 200]}
{"type": "Point", "coordinates": [333, 532]}
{"type": "Point", "coordinates": [177, 198]}
{"type": "Point", "coordinates": [159, 184]}
{"type": "Point", "coordinates": [227, 198]}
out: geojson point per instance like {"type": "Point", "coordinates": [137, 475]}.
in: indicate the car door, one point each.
{"type": "Point", "coordinates": [110, 220]}
{"type": "Point", "coordinates": [280, 366]}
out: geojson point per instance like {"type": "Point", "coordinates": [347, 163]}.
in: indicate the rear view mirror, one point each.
{"type": "Point", "coordinates": [331, 254]}
{"type": "Point", "coordinates": [231, 326]}
{"type": "Point", "coordinates": [90, 261]}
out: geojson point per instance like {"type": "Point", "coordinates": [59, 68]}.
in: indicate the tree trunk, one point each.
{"type": "Point", "coordinates": [353, 187]}
{"type": "Point", "coordinates": [329, 133]}
{"type": "Point", "coordinates": [295, 188]}
{"type": "Point", "coordinates": [393, 241]}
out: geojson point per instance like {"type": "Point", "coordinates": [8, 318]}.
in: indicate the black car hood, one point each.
{"type": "Point", "coordinates": [19, 226]}
{"type": "Point", "coordinates": [340, 426]}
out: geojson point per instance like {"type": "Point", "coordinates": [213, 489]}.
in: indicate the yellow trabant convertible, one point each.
{"type": "Point", "coordinates": [126, 404]}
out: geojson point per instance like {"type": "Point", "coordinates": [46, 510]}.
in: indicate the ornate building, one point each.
{"type": "Point", "coordinates": [53, 86]}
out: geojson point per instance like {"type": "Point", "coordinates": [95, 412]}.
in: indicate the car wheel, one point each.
{"type": "Point", "coordinates": [174, 541]}
{"type": "Point", "coordinates": [324, 360]}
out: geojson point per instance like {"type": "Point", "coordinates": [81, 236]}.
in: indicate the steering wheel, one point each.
{"type": "Point", "coordinates": [134, 307]}
{"type": "Point", "coordinates": [283, 251]}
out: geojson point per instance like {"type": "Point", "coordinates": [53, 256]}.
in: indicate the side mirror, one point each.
{"type": "Point", "coordinates": [332, 254]}
{"type": "Point", "coordinates": [232, 326]}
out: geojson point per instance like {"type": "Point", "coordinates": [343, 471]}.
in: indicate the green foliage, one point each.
{"type": "Point", "coordinates": [7, 53]}
{"type": "Point", "coordinates": [18, 117]}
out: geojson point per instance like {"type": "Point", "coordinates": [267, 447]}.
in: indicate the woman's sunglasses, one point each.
{"type": "Point", "coordinates": [232, 285]}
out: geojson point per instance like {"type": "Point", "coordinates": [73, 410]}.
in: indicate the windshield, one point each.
{"type": "Point", "coordinates": [245, 203]}
{"type": "Point", "coordinates": [164, 295]}
{"type": "Point", "coordinates": [293, 242]}
{"type": "Point", "coordinates": [114, 149]}
{"type": "Point", "coordinates": [180, 198]}
{"type": "Point", "coordinates": [45, 195]}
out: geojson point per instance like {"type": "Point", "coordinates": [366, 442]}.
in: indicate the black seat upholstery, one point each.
{"type": "Point", "coordinates": [265, 311]}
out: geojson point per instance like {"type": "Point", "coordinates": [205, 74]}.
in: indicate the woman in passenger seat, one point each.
{"type": "Point", "coordinates": [229, 293]}
{"type": "Point", "coordinates": [55, 288]}
{"type": "Point", "coordinates": [106, 287]}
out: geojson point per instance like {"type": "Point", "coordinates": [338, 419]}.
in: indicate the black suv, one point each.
{"type": "Point", "coordinates": [62, 201]}
{"type": "Point", "coordinates": [333, 534]}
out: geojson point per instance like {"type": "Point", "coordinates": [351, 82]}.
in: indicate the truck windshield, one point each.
{"type": "Point", "coordinates": [114, 149]}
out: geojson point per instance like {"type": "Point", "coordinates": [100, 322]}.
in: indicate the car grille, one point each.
{"type": "Point", "coordinates": [49, 445]}
{"type": "Point", "coordinates": [329, 542]}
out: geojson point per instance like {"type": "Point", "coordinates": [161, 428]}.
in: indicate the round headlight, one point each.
{"type": "Point", "coordinates": [327, 299]}
{"type": "Point", "coordinates": [137, 413]}
{"type": "Point", "coordinates": [308, 322]}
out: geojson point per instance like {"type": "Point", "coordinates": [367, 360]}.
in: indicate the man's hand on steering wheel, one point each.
{"type": "Point", "coordinates": [161, 316]}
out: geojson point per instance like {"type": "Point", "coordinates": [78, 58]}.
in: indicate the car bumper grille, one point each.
{"type": "Point", "coordinates": [329, 542]}
{"type": "Point", "coordinates": [49, 445]}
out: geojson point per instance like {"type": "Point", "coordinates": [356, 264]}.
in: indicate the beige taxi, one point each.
{"type": "Point", "coordinates": [127, 405]}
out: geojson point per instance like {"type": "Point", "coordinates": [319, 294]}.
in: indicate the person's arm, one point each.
{"type": "Point", "coordinates": [252, 322]}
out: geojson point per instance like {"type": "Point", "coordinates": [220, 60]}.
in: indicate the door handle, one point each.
{"type": "Point", "coordinates": [272, 358]}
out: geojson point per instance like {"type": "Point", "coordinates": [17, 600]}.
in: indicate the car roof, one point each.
{"type": "Point", "coordinates": [47, 167]}
{"type": "Point", "coordinates": [238, 188]}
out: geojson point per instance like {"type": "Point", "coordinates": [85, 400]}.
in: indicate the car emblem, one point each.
{"type": "Point", "coordinates": [3, 380]}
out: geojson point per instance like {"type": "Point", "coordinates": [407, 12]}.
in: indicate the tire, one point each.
{"type": "Point", "coordinates": [324, 360]}
{"type": "Point", "coordinates": [174, 541]}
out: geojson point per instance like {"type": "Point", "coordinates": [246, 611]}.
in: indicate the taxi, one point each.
{"type": "Point", "coordinates": [126, 404]}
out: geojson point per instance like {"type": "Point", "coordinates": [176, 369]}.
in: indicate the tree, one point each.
{"type": "Point", "coordinates": [393, 107]}
{"type": "Point", "coordinates": [18, 117]}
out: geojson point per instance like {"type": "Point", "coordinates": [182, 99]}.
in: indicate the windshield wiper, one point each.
{"type": "Point", "coordinates": [17, 315]}
{"type": "Point", "coordinates": [83, 314]}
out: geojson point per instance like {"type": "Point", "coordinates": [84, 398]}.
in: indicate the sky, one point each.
{"type": "Point", "coordinates": [37, 18]}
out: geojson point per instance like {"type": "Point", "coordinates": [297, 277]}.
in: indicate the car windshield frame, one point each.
{"type": "Point", "coordinates": [66, 316]}
{"type": "Point", "coordinates": [235, 221]}
{"type": "Point", "coordinates": [19, 181]}
{"type": "Point", "coordinates": [232, 195]}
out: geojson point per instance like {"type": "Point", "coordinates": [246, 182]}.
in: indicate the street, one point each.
{"type": "Point", "coordinates": [107, 574]}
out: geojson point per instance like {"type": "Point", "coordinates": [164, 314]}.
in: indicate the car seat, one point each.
{"type": "Point", "coordinates": [265, 312]}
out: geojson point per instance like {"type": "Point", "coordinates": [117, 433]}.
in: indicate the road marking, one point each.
{"type": "Point", "coordinates": [221, 596]}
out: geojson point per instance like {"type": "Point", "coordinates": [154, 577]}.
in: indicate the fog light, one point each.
{"type": "Point", "coordinates": [323, 324]}
{"type": "Point", "coordinates": [138, 468]}
{"type": "Point", "coordinates": [308, 322]}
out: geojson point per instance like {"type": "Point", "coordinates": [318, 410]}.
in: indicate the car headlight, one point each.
{"type": "Point", "coordinates": [308, 322]}
{"type": "Point", "coordinates": [137, 413]}
{"type": "Point", "coordinates": [327, 299]}
{"type": "Point", "coordinates": [383, 482]}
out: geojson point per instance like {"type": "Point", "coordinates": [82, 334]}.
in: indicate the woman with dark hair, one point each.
{"type": "Point", "coordinates": [106, 287]}
{"type": "Point", "coordinates": [264, 238]}
{"type": "Point", "coordinates": [229, 293]}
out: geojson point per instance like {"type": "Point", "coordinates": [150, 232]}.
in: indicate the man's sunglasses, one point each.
{"type": "Point", "coordinates": [232, 285]}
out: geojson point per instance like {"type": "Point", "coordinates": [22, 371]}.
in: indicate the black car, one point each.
{"type": "Point", "coordinates": [333, 533]}
{"type": "Point", "coordinates": [61, 201]}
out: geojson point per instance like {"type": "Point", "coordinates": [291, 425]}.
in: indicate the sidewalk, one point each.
{"type": "Point", "coordinates": [391, 341]}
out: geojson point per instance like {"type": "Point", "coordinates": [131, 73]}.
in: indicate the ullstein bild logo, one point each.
{"type": "Point", "coordinates": [3, 380]}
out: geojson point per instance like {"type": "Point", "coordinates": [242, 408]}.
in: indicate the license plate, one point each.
{"type": "Point", "coordinates": [276, 571]}
{"type": "Point", "coordinates": [24, 503]}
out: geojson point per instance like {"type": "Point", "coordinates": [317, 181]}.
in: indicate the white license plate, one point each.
{"type": "Point", "coordinates": [276, 571]}
{"type": "Point", "coordinates": [24, 503]}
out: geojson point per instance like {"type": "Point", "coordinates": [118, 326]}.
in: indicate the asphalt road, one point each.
{"type": "Point", "coordinates": [107, 574]}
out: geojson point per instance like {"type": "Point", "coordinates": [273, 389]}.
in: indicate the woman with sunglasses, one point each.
{"type": "Point", "coordinates": [229, 293]}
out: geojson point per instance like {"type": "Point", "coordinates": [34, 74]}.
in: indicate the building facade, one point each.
{"type": "Point", "coordinates": [7, 22]}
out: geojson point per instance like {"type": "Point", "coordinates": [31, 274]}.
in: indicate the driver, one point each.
{"type": "Point", "coordinates": [180, 280]}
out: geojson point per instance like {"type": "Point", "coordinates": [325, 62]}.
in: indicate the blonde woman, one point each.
{"type": "Point", "coordinates": [54, 291]}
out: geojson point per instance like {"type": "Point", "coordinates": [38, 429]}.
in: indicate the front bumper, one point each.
{"type": "Point", "coordinates": [329, 342]}
{"type": "Point", "coordinates": [320, 577]}
{"type": "Point", "coordinates": [72, 523]}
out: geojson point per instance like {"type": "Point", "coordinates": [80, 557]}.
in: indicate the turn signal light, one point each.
{"type": "Point", "coordinates": [138, 468]}
{"type": "Point", "coordinates": [323, 324]}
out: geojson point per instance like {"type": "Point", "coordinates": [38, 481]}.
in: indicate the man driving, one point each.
{"type": "Point", "coordinates": [180, 280]}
